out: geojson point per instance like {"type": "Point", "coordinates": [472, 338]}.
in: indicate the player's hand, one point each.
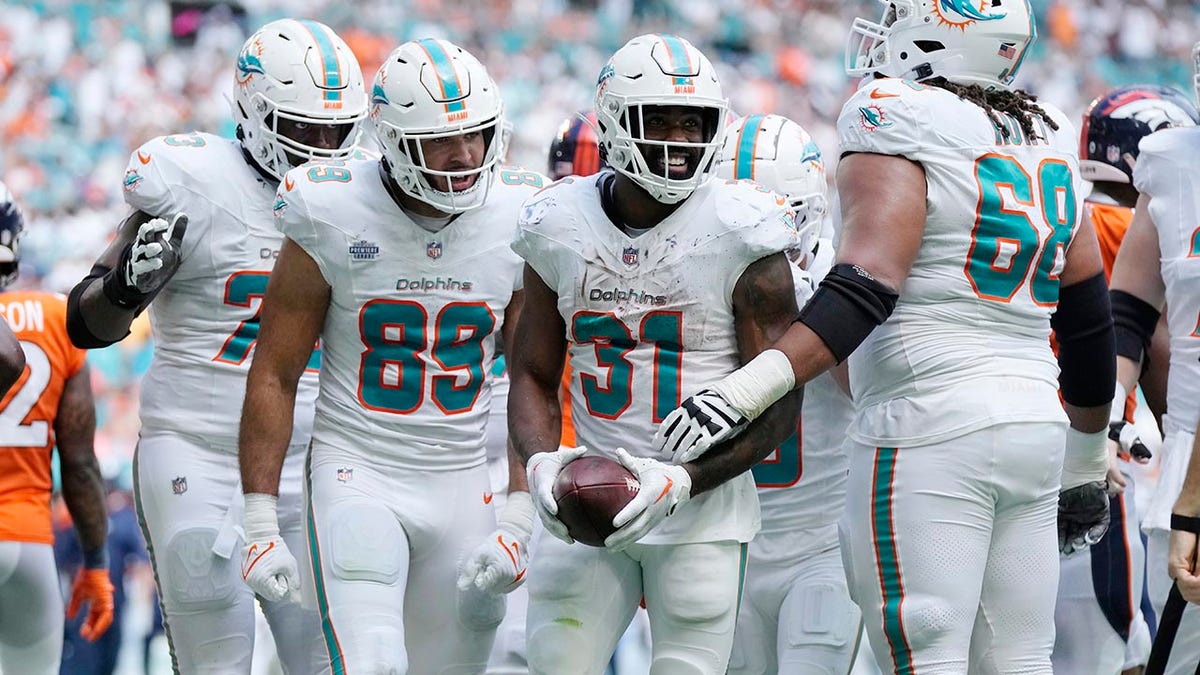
{"type": "Point", "coordinates": [663, 488]}
{"type": "Point", "coordinates": [1130, 445]}
{"type": "Point", "coordinates": [1082, 516]}
{"type": "Point", "coordinates": [154, 255]}
{"type": "Point", "coordinates": [268, 567]}
{"type": "Point", "coordinates": [93, 587]}
{"type": "Point", "coordinates": [700, 422]}
{"type": "Point", "coordinates": [498, 564]}
{"type": "Point", "coordinates": [542, 470]}
{"type": "Point", "coordinates": [1181, 564]}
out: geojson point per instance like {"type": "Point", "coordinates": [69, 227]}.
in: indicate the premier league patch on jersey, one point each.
{"type": "Point", "coordinates": [434, 250]}
{"type": "Point", "coordinates": [629, 256]}
{"type": "Point", "coordinates": [179, 485]}
{"type": "Point", "coordinates": [364, 250]}
{"type": "Point", "coordinates": [345, 474]}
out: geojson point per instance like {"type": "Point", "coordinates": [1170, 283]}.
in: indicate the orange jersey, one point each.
{"type": "Point", "coordinates": [1110, 222]}
{"type": "Point", "coordinates": [29, 410]}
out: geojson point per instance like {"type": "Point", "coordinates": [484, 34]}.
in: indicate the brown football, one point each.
{"type": "Point", "coordinates": [590, 492]}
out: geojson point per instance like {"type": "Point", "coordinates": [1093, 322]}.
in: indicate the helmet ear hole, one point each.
{"type": "Point", "coordinates": [929, 46]}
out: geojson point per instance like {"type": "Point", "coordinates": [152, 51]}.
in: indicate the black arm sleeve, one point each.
{"type": "Point", "coordinates": [1134, 321]}
{"type": "Point", "coordinates": [1087, 360]}
{"type": "Point", "coordinates": [114, 290]}
{"type": "Point", "coordinates": [847, 306]}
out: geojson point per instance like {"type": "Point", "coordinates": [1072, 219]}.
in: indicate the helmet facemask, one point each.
{"type": "Point", "coordinates": [673, 168]}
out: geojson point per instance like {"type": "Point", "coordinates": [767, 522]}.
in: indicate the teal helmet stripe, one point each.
{"type": "Point", "coordinates": [329, 60]}
{"type": "Point", "coordinates": [743, 166]}
{"type": "Point", "coordinates": [681, 63]}
{"type": "Point", "coordinates": [447, 75]}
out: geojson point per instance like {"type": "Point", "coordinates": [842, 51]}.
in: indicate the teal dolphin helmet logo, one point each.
{"type": "Point", "coordinates": [248, 65]}
{"type": "Point", "coordinates": [966, 9]}
{"type": "Point", "coordinates": [378, 95]}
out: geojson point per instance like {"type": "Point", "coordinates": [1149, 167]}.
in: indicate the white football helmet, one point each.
{"type": "Point", "coordinates": [778, 154]}
{"type": "Point", "coordinates": [965, 41]}
{"type": "Point", "coordinates": [657, 70]}
{"type": "Point", "coordinates": [429, 89]}
{"type": "Point", "coordinates": [297, 70]}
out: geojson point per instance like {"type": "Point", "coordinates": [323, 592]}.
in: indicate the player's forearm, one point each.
{"type": "Point", "coordinates": [83, 492]}
{"type": "Point", "coordinates": [739, 454]}
{"type": "Point", "coordinates": [517, 480]}
{"type": "Point", "coordinates": [266, 430]}
{"type": "Point", "coordinates": [534, 417]}
{"type": "Point", "coordinates": [1128, 372]}
{"type": "Point", "coordinates": [12, 359]}
{"type": "Point", "coordinates": [94, 320]}
{"type": "Point", "coordinates": [1188, 503]}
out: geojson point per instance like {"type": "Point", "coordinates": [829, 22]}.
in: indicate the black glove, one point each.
{"type": "Point", "coordinates": [1131, 443]}
{"type": "Point", "coordinates": [1082, 516]}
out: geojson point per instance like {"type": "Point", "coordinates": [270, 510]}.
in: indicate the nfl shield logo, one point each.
{"type": "Point", "coordinates": [344, 474]}
{"type": "Point", "coordinates": [434, 250]}
{"type": "Point", "coordinates": [629, 256]}
{"type": "Point", "coordinates": [179, 485]}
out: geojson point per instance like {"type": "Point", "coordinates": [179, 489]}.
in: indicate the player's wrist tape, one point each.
{"type": "Point", "coordinates": [96, 559]}
{"type": "Point", "coordinates": [1086, 458]}
{"type": "Point", "coordinates": [847, 306]}
{"type": "Point", "coordinates": [518, 514]}
{"type": "Point", "coordinates": [752, 388]}
{"type": "Point", "coordinates": [1117, 412]}
{"type": "Point", "coordinates": [1185, 523]}
{"type": "Point", "coordinates": [259, 519]}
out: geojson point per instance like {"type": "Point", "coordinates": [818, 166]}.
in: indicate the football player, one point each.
{"type": "Point", "coordinates": [961, 245]}
{"type": "Point", "coordinates": [49, 406]}
{"type": "Point", "coordinates": [1159, 263]}
{"type": "Point", "coordinates": [401, 266]}
{"type": "Point", "coordinates": [796, 615]}
{"type": "Point", "coordinates": [198, 250]}
{"type": "Point", "coordinates": [1099, 621]}
{"type": "Point", "coordinates": [656, 279]}
{"type": "Point", "coordinates": [575, 151]}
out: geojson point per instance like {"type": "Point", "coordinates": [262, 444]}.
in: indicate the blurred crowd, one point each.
{"type": "Point", "coordinates": [83, 83]}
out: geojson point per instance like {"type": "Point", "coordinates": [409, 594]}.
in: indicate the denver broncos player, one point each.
{"type": "Point", "coordinates": [796, 614]}
{"type": "Point", "coordinates": [575, 151]}
{"type": "Point", "coordinates": [198, 250]}
{"type": "Point", "coordinates": [656, 279]}
{"type": "Point", "coordinates": [402, 267]}
{"type": "Point", "coordinates": [49, 406]}
{"type": "Point", "coordinates": [1100, 626]}
{"type": "Point", "coordinates": [1159, 263]}
{"type": "Point", "coordinates": [961, 246]}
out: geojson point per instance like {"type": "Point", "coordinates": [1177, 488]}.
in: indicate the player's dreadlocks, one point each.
{"type": "Point", "coordinates": [1020, 105]}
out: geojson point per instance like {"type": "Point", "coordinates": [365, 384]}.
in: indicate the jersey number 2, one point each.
{"type": "Point", "coordinates": [14, 432]}
{"type": "Point", "coordinates": [1005, 241]}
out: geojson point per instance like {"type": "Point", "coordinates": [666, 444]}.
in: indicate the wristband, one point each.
{"type": "Point", "coordinates": [518, 514]}
{"type": "Point", "coordinates": [259, 520]}
{"type": "Point", "coordinates": [1086, 458]}
{"type": "Point", "coordinates": [96, 559]}
{"type": "Point", "coordinates": [1185, 523]}
{"type": "Point", "coordinates": [752, 388]}
{"type": "Point", "coordinates": [120, 293]}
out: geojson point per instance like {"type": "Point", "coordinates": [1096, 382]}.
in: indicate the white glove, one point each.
{"type": "Point", "coordinates": [155, 248]}
{"type": "Point", "coordinates": [542, 470]}
{"type": "Point", "coordinates": [702, 421]}
{"type": "Point", "coordinates": [664, 487]}
{"type": "Point", "coordinates": [267, 566]}
{"type": "Point", "coordinates": [498, 564]}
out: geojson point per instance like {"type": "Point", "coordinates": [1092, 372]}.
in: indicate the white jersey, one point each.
{"type": "Point", "coordinates": [802, 485]}
{"type": "Point", "coordinates": [409, 338]}
{"type": "Point", "coordinates": [1166, 171]}
{"type": "Point", "coordinates": [968, 345]}
{"type": "Point", "coordinates": [650, 319]}
{"type": "Point", "coordinates": [205, 320]}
